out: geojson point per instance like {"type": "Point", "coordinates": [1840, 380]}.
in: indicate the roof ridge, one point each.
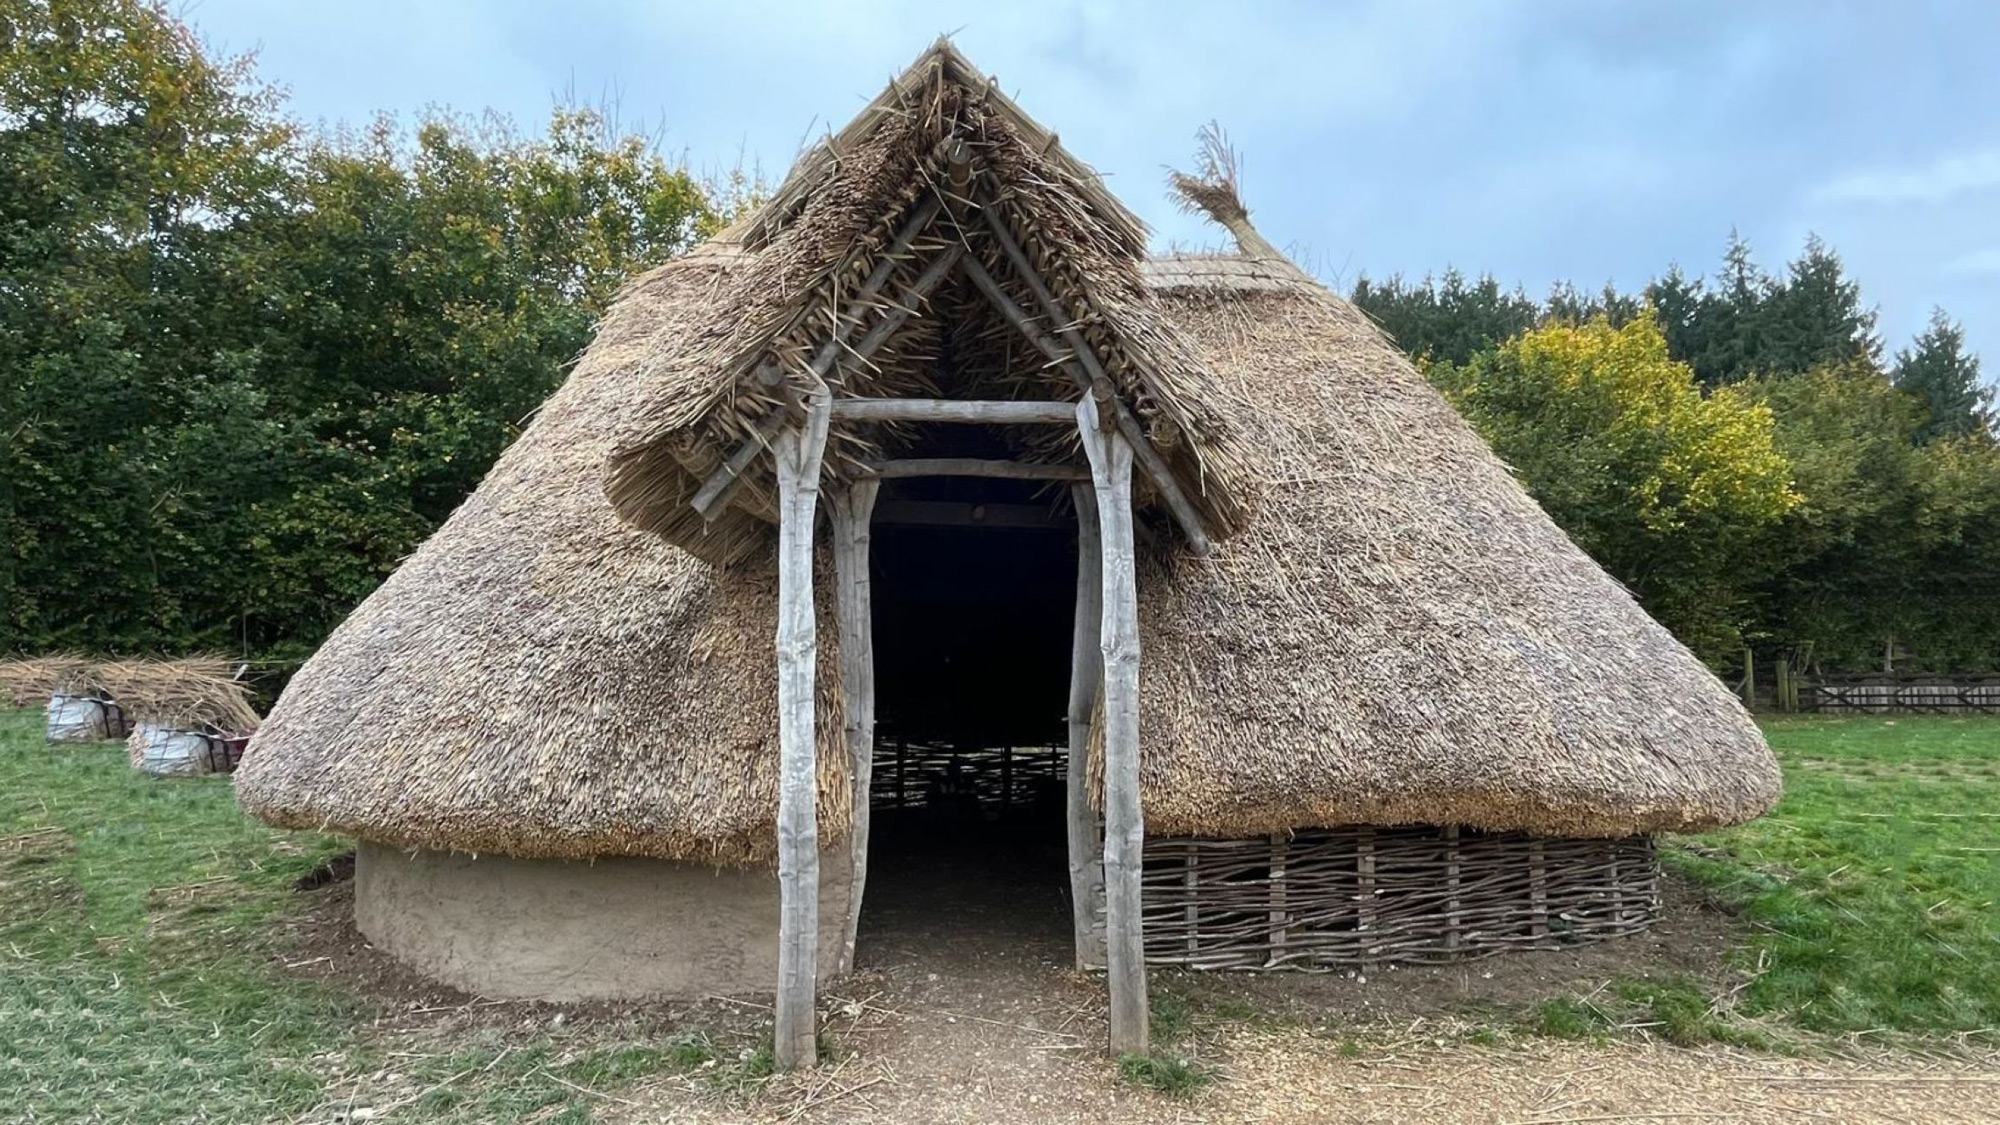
{"type": "Point", "coordinates": [809, 171]}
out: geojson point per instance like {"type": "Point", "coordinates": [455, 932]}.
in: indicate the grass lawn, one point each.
{"type": "Point", "coordinates": [1873, 887]}
{"type": "Point", "coordinates": [142, 943]}
{"type": "Point", "coordinates": [141, 976]}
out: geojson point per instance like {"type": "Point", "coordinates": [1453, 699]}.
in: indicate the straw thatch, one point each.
{"type": "Point", "coordinates": [539, 679]}
{"type": "Point", "coordinates": [1403, 636]}
{"type": "Point", "coordinates": [29, 681]}
{"type": "Point", "coordinates": [695, 396]}
{"type": "Point", "coordinates": [192, 692]}
{"type": "Point", "coordinates": [195, 693]}
{"type": "Point", "coordinates": [1389, 630]}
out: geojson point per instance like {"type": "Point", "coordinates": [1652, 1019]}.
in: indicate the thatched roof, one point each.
{"type": "Point", "coordinates": [1388, 630]}
{"type": "Point", "coordinates": [28, 681]}
{"type": "Point", "coordinates": [693, 398]}
{"type": "Point", "coordinates": [541, 679]}
{"type": "Point", "coordinates": [1402, 635]}
{"type": "Point", "coordinates": [187, 692]}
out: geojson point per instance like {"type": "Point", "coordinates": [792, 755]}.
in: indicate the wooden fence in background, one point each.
{"type": "Point", "coordinates": [1879, 694]}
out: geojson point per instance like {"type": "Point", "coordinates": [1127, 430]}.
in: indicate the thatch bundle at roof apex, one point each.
{"type": "Point", "coordinates": [1388, 631]}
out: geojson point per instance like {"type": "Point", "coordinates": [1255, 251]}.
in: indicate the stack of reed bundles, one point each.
{"type": "Point", "coordinates": [191, 715]}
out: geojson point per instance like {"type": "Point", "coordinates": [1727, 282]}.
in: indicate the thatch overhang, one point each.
{"type": "Point", "coordinates": [541, 679]}
{"type": "Point", "coordinates": [940, 160]}
{"type": "Point", "coordinates": [1388, 630]}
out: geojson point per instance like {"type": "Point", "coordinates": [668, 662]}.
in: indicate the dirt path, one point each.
{"type": "Point", "coordinates": [929, 1067]}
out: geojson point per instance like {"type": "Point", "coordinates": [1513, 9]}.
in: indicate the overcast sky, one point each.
{"type": "Point", "coordinates": [1537, 140]}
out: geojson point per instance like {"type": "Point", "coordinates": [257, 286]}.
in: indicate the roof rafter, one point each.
{"type": "Point", "coordinates": [721, 485]}
{"type": "Point", "coordinates": [1155, 465]}
{"type": "Point", "coordinates": [1079, 360]}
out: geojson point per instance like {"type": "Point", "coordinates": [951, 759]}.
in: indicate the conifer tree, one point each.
{"type": "Point", "coordinates": [1814, 317]}
{"type": "Point", "coordinates": [1676, 302]}
{"type": "Point", "coordinates": [1939, 371]}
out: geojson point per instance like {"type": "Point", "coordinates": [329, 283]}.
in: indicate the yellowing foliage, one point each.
{"type": "Point", "coordinates": [1666, 488]}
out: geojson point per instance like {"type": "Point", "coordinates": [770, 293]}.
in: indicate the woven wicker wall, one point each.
{"type": "Point", "coordinates": [1337, 898]}
{"type": "Point", "coordinates": [1320, 899]}
{"type": "Point", "coordinates": [910, 772]}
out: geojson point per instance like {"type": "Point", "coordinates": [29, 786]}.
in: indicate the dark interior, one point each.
{"type": "Point", "coordinates": [974, 587]}
{"type": "Point", "coordinates": [972, 632]}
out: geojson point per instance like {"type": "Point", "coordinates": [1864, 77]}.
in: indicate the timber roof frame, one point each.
{"type": "Point", "coordinates": [1063, 343]}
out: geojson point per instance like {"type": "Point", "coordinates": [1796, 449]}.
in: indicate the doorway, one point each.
{"type": "Point", "coordinates": [974, 588]}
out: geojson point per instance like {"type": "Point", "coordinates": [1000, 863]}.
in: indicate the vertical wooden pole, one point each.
{"type": "Point", "coordinates": [853, 508]}
{"type": "Point", "coordinates": [1749, 678]}
{"type": "Point", "coordinates": [1538, 893]}
{"type": "Point", "coordinates": [1453, 919]}
{"type": "Point", "coordinates": [1279, 910]}
{"type": "Point", "coordinates": [1124, 821]}
{"type": "Point", "coordinates": [798, 453]}
{"type": "Point", "coordinates": [1191, 887]}
{"type": "Point", "coordinates": [1364, 869]}
{"type": "Point", "coordinates": [1086, 855]}
{"type": "Point", "coordinates": [1611, 872]}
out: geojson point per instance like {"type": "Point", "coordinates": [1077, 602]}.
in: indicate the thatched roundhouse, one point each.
{"type": "Point", "coordinates": [1179, 548]}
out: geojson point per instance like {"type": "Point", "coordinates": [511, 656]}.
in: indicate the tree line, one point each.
{"type": "Point", "coordinates": [1738, 452]}
{"type": "Point", "coordinates": [245, 368]}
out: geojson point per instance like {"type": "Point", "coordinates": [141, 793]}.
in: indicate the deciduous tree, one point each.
{"type": "Point", "coordinates": [1667, 488]}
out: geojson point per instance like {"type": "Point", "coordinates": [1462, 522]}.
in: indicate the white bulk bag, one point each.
{"type": "Point", "coordinates": [168, 752]}
{"type": "Point", "coordinates": [82, 718]}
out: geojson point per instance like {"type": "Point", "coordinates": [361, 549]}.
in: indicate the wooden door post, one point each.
{"type": "Point", "coordinates": [1124, 821]}
{"type": "Point", "coordinates": [852, 510]}
{"type": "Point", "coordinates": [798, 452]}
{"type": "Point", "coordinates": [1086, 856]}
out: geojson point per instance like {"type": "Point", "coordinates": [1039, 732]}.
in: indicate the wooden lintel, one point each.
{"type": "Point", "coordinates": [970, 467]}
{"type": "Point", "coordinates": [957, 513]}
{"type": "Point", "coordinates": [989, 411]}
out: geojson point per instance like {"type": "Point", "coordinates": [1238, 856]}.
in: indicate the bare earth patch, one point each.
{"type": "Point", "coordinates": [998, 1064]}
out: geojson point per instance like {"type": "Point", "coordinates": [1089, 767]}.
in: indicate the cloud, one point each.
{"type": "Point", "coordinates": [1979, 261]}
{"type": "Point", "coordinates": [1941, 180]}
